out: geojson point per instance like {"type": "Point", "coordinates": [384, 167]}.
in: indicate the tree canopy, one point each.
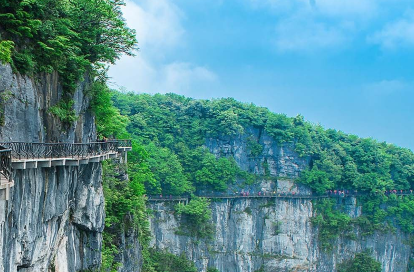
{"type": "Point", "coordinates": [337, 160]}
{"type": "Point", "coordinates": [71, 37]}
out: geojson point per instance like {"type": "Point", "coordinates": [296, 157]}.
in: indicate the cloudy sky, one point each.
{"type": "Point", "coordinates": [346, 64]}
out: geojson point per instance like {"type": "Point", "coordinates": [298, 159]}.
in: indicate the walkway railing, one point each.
{"type": "Point", "coordinates": [22, 150]}
{"type": "Point", "coordinates": [5, 163]}
{"type": "Point", "coordinates": [124, 143]}
{"type": "Point", "coordinates": [276, 195]}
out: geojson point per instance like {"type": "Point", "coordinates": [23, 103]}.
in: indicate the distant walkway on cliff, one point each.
{"type": "Point", "coordinates": [22, 155]}
{"type": "Point", "coordinates": [269, 195]}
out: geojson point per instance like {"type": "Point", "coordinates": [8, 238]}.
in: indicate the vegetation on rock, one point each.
{"type": "Point", "coordinates": [125, 209]}
{"type": "Point", "coordinates": [73, 38]}
{"type": "Point", "coordinates": [174, 130]}
{"type": "Point", "coordinates": [196, 218]}
{"type": "Point", "coordinates": [166, 262]}
{"type": "Point", "coordinates": [337, 160]}
{"type": "Point", "coordinates": [362, 262]}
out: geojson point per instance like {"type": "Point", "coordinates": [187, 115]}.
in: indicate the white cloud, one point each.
{"type": "Point", "coordinates": [159, 30]}
{"type": "Point", "coordinates": [309, 25]}
{"type": "Point", "coordinates": [157, 22]}
{"type": "Point", "coordinates": [359, 8]}
{"type": "Point", "coordinates": [396, 34]}
{"type": "Point", "coordinates": [141, 75]}
{"type": "Point", "coordinates": [183, 77]}
{"type": "Point", "coordinates": [276, 5]}
{"type": "Point", "coordinates": [305, 26]}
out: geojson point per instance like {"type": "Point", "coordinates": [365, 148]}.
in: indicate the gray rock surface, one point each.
{"type": "Point", "coordinates": [130, 254]}
{"type": "Point", "coordinates": [276, 236]}
{"type": "Point", "coordinates": [55, 216]}
{"type": "Point", "coordinates": [24, 110]}
{"type": "Point", "coordinates": [280, 160]}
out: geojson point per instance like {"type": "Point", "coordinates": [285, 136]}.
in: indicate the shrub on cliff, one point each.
{"type": "Point", "coordinates": [362, 262]}
{"type": "Point", "coordinates": [196, 218]}
{"type": "Point", "coordinates": [166, 262]}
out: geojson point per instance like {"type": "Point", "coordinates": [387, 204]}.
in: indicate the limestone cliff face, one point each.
{"type": "Point", "coordinates": [130, 254]}
{"type": "Point", "coordinates": [24, 110]}
{"type": "Point", "coordinates": [275, 235]}
{"type": "Point", "coordinates": [280, 160]}
{"type": "Point", "coordinates": [55, 216]}
{"type": "Point", "coordinates": [274, 160]}
{"type": "Point", "coordinates": [53, 220]}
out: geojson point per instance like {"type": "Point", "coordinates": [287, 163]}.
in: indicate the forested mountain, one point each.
{"type": "Point", "coordinates": [177, 136]}
{"type": "Point", "coordinates": [174, 130]}
{"type": "Point", "coordinates": [53, 58]}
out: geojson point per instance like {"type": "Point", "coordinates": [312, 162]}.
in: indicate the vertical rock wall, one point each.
{"type": "Point", "coordinates": [275, 235]}
{"type": "Point", "coordinates": [274, 160]}
{"type": "Point", "coordinates": [53, 220]}
{"type": "Point", "coordinates": [55, 216]}
{"type": "Point", "coordinates": [24, 110]}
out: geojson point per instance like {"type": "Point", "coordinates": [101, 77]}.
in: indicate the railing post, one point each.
{"type": "Point", "coordinates": [5, 163]}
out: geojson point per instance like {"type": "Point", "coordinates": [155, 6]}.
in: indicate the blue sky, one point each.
{"type": "Point", "coordinates": [346, 64]}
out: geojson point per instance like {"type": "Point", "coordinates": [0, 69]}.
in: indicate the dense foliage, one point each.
{"type": "Point", "coordinates": [174, 135]}
{"type": "Point", "coordinates": [174, 130]}
{"type": "Point", "coordinates": [109, 122]}
{"type": "Point", "coordinates": [72, 38]}
{"type": "Point", "coordinates": [196, 217]}
{"type": "Point", "coordinates": [164, 261]}
{"type": "Point", "coordinates": [124, 208]}
{"type": "Point", "coordinates": [337, 160]}
{"type": "Point", "coordinates": [362, 262]}
{"type": "Point", "coordinates": [331, 222]}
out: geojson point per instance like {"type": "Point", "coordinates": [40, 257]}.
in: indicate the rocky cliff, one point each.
{"type": "Point", "coordinates": [55, 216]}
{"type": "Point", "coordinates": [24, 110]}
{"type": "Point", "coordinates": [270, 235]}
{"type": "Point", "coordinates": [273, 235]}
{"type": "Point", "coordinates": [272, 159]}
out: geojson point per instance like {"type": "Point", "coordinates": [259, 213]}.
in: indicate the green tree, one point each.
{"type": "Point", "coordinates": [362, 262]}
{"type": "Point", "coordinates": [6, 51]}
{"type": "Point", "coordinates": [166, 262]}
{"type": "Point", "coordinates": [168, 172]}
{"type": "Point", "coordinates": [317, 180]}
{"type": "Point", "coordinates": [217, 173]}
{"type": "Point", "coordinates": [79, 38]}
{"type": "Point", "coordinates": [196, 216]}
{"type": "Point", "coordinates": [109, 121]}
